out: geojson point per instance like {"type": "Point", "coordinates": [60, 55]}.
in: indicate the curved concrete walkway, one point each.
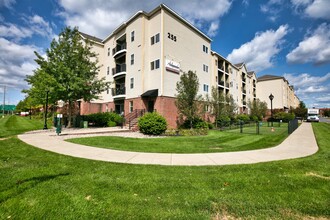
{"type": "Point", "coordinates": [299, 144]}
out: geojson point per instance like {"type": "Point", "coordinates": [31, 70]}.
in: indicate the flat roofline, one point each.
{"type": "Point", "coordinates": [148, 15]}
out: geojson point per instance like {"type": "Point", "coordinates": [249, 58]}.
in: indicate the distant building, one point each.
{"type": "Point", "coordinates": [283, 92]}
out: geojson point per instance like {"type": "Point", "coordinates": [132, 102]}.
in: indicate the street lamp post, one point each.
{"type": "Point", "coordinates": [46, 111]}
{"type": "Point", "coordinates": [271, 97]}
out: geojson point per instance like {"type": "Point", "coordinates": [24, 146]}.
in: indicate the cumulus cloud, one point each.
{"type": "Point", "coordinates": [313, 90]}
{"type": "Point", "coordinates": [315, 48]}
{"type": "Point", "coordinates": [16, 62]}
{"type": "Point", "coordinates": [259, 53]}
{"type": "Point", "coordinates": [100, 18]}
{"type": "Point", "coordinates": [14, 32]}
{"type": "Point", "coordinates": [318, 9]}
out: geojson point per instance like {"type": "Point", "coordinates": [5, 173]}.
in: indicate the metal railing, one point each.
{"type": "Point", "coordinates": [119, 68]}
{"type": "Point", "coordinates": [119, 47]}
{"type": "Point", "coordinates": [118, 91]}
{"type": "Point", "coordinates": [292, 125]}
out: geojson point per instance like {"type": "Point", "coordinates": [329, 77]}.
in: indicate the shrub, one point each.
{"type": "Point", "coordinates": [152, 123]}
{"type": "Point", "coordinates": [101, 119]}
{"type": "Point", "coordinates": [285, 117]}
{"type": "Point", "coordinates": [254, 118]}
{"type": "Point", "coordinates": [243, 118]}
{"type": "Point", "coordinates": [111, 124]}
{"type": "Point", "coordinates": [223, 121]}
{"type": "Point", "coordinates": [196, 123]}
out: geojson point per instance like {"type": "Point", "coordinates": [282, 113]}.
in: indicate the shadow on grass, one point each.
{"type": "Point", "coordinates": [25, 184]}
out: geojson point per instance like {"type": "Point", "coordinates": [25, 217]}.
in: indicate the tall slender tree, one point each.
{"type": "Point", "coordinates": [69, 72]}
{"type": "Point", "coordinates": [188, 102]}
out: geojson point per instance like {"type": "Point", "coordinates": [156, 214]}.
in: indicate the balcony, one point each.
{"type": "Point", "coordinates": [227, 84]}
{"type": "Point", "coordinates": [119, 92]}
{"type": "Point", "coordinates": [120, 49]}
{"type": "Point", "coordinates": [119, 70]}
{"type": "Point", "coordinates": [244, 91]}
{"type": "Point", "coordinates": [243, 79]}
{"type": "Point", "coordinates": [222, 83]}
{"type": "Point", "coordinates": [244, 102]}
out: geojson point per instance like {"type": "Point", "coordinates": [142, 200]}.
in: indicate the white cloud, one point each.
{"type": "Point", "coordinates": [314, 48]}
{"type": "Point", "coordinates": [100, 18]}
{"type": "Point", "coordinates": [318, 9]}
{"type": "Point", "coordinates": [39, 26]}
{"type": "Point", "coordinates": [313, 90]}
{"type": "Point", "coordinates": [259, 53]}
{"type": "Point", "coordinates": [16, 62]}
{"type": "Point", "coordinates": [15, 32]}
{"type": "Point", "coordinates": [7, 3]}
{"type": "Point", "coordinates": [272, 8]}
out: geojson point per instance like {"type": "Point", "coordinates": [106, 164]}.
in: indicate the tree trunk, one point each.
{"type": "Point", "coordinates": [69, 114]}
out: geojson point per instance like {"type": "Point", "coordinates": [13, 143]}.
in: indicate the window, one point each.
{"type": "Point", "coordinates": [155, 64]}
{"type": "Point", "coordinates": [155, 39]}
{"type": "Point", "coordinates": [132, 83]}
{"type": "Point", "coordinates": [108, 51]}
{"type": "Point", "coordinates": [205, 68]}
{"type": "Point", "coordinates": [132, 59]}
{"type": "Point", "coordinates": [130, 106]}
{"type": "Point", "coordinates": [132, 36]}
{"type": "Point", "coordinates": [205, 49]}
{"type": "Point", "coordinates": [108, 70]}
{"type": "Point", "coordinates": [108, 91]}
{"type": "Point", "coordinates": [206, 88]}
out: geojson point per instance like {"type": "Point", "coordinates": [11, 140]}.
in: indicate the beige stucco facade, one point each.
{"type": "Point", "coordinates": [145, 56]}
{"type": "Point", "coordinates": [283, 92]}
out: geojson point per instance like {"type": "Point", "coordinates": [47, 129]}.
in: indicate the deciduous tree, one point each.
{"type": "Point", "coordinates": [69, 72]}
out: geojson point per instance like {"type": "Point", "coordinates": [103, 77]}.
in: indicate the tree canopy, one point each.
{"type": "Point", "coordinates": [188, 101]}
{"type": "Point", "coordinates": [258, 108]}
{"type": "Point", "coordinates": [69, 71]}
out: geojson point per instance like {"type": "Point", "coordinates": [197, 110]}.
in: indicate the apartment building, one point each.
{"type": "Point", "coordinates": [145, 56]}
{"type": "Point", "coordinates": [283, 92]}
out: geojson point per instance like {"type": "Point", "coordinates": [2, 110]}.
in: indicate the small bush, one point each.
{"type": "Point", "coordinates": [171, 132]}
{"type": "Point", "coordinates": [210, 125]}
{"type": "Point", "coordinates": [196, 123]}
{"type": "Point", "coordinates": [112, 124]}
{"type": "Point", "coordinates": [285, 117]}
{"type": "Point", "coordinates": [254, 118]}
{"type": "Point", "coordinates": [243, 118]}
{"type": "Point", "coordinates": [152, 123]}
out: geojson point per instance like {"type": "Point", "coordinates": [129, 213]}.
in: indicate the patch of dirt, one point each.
{"type": "Point", "coordinates": [317, 175]}
{"type": "Point", "coordinates": [287, 213]}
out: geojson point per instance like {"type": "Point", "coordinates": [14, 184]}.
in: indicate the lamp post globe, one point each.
{"type": "Point", "coordinates": [271, 97]}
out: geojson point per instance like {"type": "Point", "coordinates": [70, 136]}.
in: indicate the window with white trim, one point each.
{"type": "Point", "coordinates": [131, 106]}
{"type": "Point", "coordinates": [108, 70]}
{"type": "Point", "coordinates": [132, 59]}
{"type": "Point", "coordinates": [155, 64]}
{"type": "Point", "coordinates": [132, 36]}
{"type": "Point", "coordinates": [108, 51]}
{"type": "Point", "coordinates": [155, 39]}
{"type": "Point", "coordinates": [205, 49]}
{"type": "Point", "coordinates": [206, 88]}
{"type": "Point", "coordinates": [205, 68]}
{"type": "Point", "coordinates": [132, 83]}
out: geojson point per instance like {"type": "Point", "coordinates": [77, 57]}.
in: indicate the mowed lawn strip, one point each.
{"type": "Point", "coordinates": [37, 184]}
{"type": "Point", "coordinates": [13, 125]}
{"type": "Point", "coordinates": [215, 141]}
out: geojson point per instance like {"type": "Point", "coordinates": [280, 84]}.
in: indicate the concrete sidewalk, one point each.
{"type": "Point", "coordinates": [300, 143]}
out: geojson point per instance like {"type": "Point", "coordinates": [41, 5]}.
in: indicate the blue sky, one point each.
{"type": "Point", "coordinates": [289, 38]}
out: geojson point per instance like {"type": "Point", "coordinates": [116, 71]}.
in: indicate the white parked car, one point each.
{"type": "Point", "coordinates": [313, 118]}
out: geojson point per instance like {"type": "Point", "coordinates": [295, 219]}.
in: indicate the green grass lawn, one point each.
{"type": "Point", "coordinates": [36, 184]}
{"type": "Point", "coordinates": [13, 125]}
{"type": "Point", "coordinates": [215, 141]}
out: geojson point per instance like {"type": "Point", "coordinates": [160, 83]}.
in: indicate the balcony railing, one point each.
{"type": "Point", "coordinates": [119, 47]}
{"type": "Point", "coordinates": [243, 79]}
{"type": "Point", "coordinates": [119, 69]}
{"type": "Point", "coordinates": [227, 84]}
{"type": "Point", "coordinates": [244, 91]}
{"type": "Point", "coordinates": [118, 91]}
{"type": "Point", "coordinates": [244, 102]}
{"type": "Point", "coordinates": [221, 83]}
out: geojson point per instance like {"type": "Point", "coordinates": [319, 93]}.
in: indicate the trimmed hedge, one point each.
{"type": "Point", "coordinates": [152, 123]}
{"type": "Point", "coordinates": [103, 119]}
